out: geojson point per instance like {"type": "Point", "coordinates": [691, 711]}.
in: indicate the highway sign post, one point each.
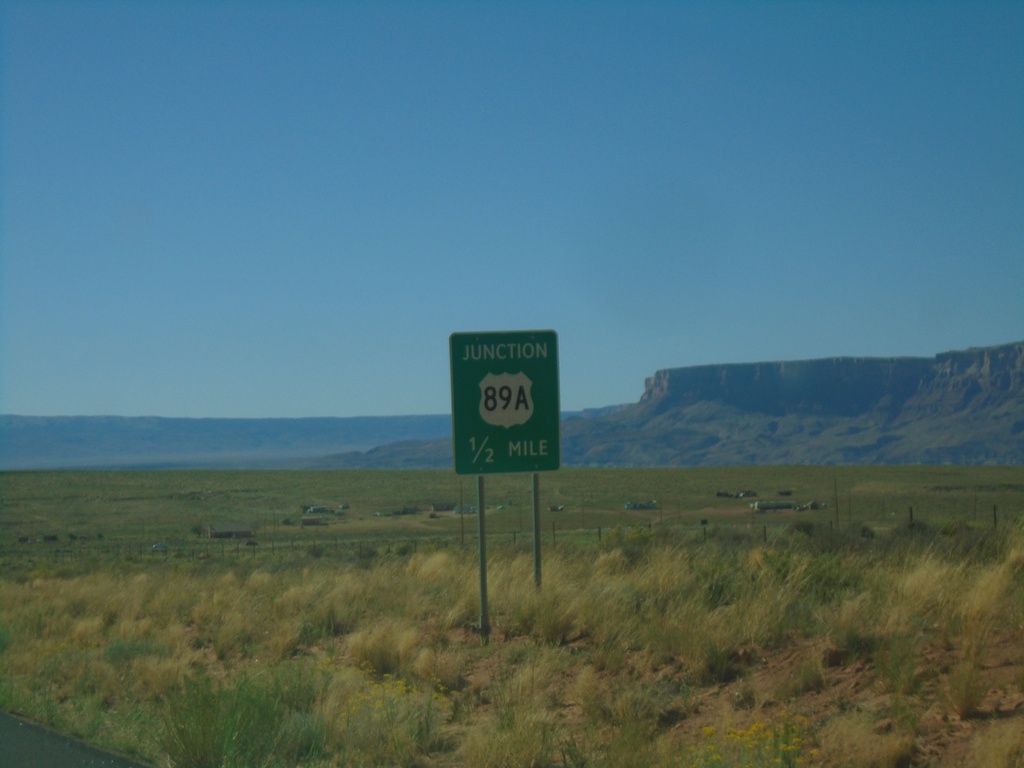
{"type": "Point", "coordinates": [506, 417]}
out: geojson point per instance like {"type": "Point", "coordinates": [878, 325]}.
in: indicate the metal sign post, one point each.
{"type": "Point", "coordinates": [536, 530]}
{"type": "Point", "coordinates": [485, 620]}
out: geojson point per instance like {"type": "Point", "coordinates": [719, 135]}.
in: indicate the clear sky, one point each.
{"type": "Point", "coordinates": [279, 209]}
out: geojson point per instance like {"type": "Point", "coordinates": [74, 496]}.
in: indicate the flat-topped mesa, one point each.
{"type": "Point", "coordinates": [846, 386]}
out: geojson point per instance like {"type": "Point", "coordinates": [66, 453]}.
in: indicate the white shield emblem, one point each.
{"type": "Point", "coordinates": [505, 399]}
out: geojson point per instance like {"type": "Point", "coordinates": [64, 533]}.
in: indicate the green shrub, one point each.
{"type": "Point", "coordinates": [303, 737]}
{"type": "Point", "coordinates": [896, 661]}
{"type": "Point", "coordinates": [208, 725]}
{"type": "Point", "coordinates": [121, 652]}
{"type": "Point", "coordinates": [806, 527]}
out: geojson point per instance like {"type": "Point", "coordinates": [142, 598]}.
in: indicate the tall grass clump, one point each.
{"type": "Point", "coordinates": [522, 732]}
{"type": "Point", "coordinates": [983, 604]}
{"type": "Point", "coordinates": [548, 614]}
{"type": "Point", "coordinates": [210, 725]}
{"type": "Point", "coordinates": [387, 647]}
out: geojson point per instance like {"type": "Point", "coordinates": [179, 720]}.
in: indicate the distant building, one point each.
{"type": "Point", "coordinates": [641, 504]}
{"type": "Point", "coordinates": [226, 532]}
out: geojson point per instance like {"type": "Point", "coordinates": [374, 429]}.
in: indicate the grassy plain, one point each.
{"type": "Point", "coordinates": [884, 628]}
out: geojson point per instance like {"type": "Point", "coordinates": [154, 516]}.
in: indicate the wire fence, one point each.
{"type": "Point", "coordinates": [262, 547]}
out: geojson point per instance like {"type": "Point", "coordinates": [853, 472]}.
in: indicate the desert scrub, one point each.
{"type": "Point", "coordinates": [632, 541]}
{"type": "Point", "coordinates": [209, 725]}
{"type": "Point", "coordinates": [441, 584]}
{"type": "Point", "coordinates": [524, 696]}
{"type": "Point", "coordinates": [380, 719]}
{"type": "Point", "coordinates": [1000, 745]}
{"type": "Point", "coordinates": [521, 609]}
{"type": "Point", "coordinates": [519, 737]}
{"type": "Point", "coordinates": [896, 662]}
{"type": "Point", "coordinates": [982, 605]}
{"type": "Point", "coordinates": [388, 646]}
{"type": "Point", "coordinates": [598, 668]}
{"type": "Point", "coordinates": [760, 745]}
{"type": "Point", "coordinates": [849, 739]}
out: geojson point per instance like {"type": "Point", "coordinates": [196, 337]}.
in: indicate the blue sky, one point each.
{"type": "Point", "coordinates": [249, 209]}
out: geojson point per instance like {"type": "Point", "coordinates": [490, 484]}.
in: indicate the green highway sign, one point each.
{"type": "Point", "coordinates": [505, 403]}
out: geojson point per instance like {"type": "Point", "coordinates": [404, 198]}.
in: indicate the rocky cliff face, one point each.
{"type": "Point", "coordinates": [958, 407]}
{"type": "Point", "coordinates": [888, 388]}
{"type": "Point", "coordinates": [976, 378]}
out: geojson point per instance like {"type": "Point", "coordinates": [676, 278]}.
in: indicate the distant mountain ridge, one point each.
{"type": "Point", "coordinates": [49, 442]}
{"type": "Point", "coordinates": [962, 407]}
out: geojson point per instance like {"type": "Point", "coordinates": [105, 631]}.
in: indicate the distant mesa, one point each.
{"type": "Point", "coordinates": [964, 407]}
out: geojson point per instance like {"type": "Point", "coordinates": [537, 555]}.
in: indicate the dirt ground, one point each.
{"type": "Point", "coordinates": [851, 719]}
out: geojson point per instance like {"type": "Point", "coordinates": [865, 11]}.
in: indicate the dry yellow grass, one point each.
{"type": "Point", "coordinates": [617, 660]}
{"type": "Point", "coordinates": [1000, 745]}
{"type": "Point", "coordinates": [852, 740]}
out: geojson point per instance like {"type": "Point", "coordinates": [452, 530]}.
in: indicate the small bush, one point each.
{"type": "Point", "coordinates": [809, 677]}
{"type": "Point", "coordinates": [897, 664]}
{"type": "Point", "coordinates": [966, 688]}
{"type": "Point", "coordinates": [387, 647]}
{"type": "Point", "coordinates": [719, 665]}
{"type": "Point", "coordinates": [210, 726]}
{"type": "Point", "coordinates": [380, 721]}
{"type": "Point", "coordinates": [632, 541]}
{"type": "Point", "coordinates": [526, 739]}
{"type": "Point", "coordinates": [760, 745]}
{"type": "Point", "coordinates": [303, 737]}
